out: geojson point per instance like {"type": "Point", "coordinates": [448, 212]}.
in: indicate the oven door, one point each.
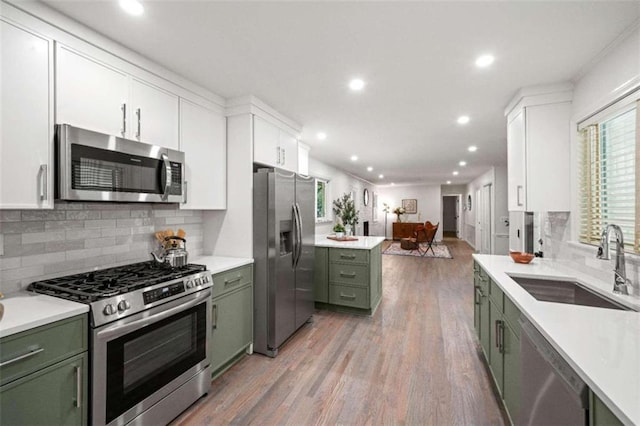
{"type": "Point", "coordinates": [139, 360]}
{"type": "Point", "coordinates": [98, 167]}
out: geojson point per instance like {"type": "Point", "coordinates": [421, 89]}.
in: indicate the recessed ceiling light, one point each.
{"type": "Point", "coordinates": [132, 7]}
{"type": "Point", "coordinates": [462, 163]}
{"type": "Point", "coordinates": [448, 182]}
{"type": "Point", "coordinates": [473, 148]}
{"type": "Point", "coordinates": [455, 173]}
{"type": "Point", "coordinates": [369, 169]}
{"type": "Point", "coordinates": [484, 61]}
{"type": "Point", "coordinates": [354, 158]}
{"type": "Point", "coordinates": [321, 135]}
{"type": "Point", "coordinates": [381, 176]}
{"type": "Point", "coordinates": [393, 184]}
{"type": "Point", "coordinates": [463, 119]}
{"type": "Point", "coordinates": [356, 84]}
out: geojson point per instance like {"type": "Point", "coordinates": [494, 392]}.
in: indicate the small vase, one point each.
{"type": "Point", "coordinates": [348, 230]}
{"type": "Point", "coordinates": [398, 216]}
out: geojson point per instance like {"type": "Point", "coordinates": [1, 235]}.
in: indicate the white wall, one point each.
{"type": "Point", "coordinates": [340, 183]}
{"type": "Point", "coordinates": [429, 204]}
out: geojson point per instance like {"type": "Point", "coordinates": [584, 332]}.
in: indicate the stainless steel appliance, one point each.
{"type": "Point", "coordinates": [283, 251]}
{"type": "Point", "coordinates": [150, 338]}
{"type": "Point", "coordinates": [97, 167]}
{"type": "Point", "coordinates": [551, 392]}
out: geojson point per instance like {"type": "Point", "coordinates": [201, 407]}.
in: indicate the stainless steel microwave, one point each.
{"type": "Point", "coordinates": [97, 167]}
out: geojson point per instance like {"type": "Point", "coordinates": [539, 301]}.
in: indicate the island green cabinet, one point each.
{"type": "Point", "coordinates": [599, 413]}
{"type": "Point", "coordinates": [348, 279]}
{"type": "Point", "coordinates": [232, 317]}
{"type": "Point", "coordinates": [43, 374]}
{"type": "Point", "coordinates": [498, 330]}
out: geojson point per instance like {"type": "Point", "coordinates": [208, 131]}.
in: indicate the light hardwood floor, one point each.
{"type": "Point", "coordinates": [415, 362]}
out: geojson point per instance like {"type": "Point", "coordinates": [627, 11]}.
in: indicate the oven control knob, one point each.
{"type": "Point", "coordinates": [205, 279]}
{"type": "Point", "coordinates": [109, 309]}
{"type": "Point", "coordinates": [189, 284]}
{"type": "Point", "coordinates": [123, 305]}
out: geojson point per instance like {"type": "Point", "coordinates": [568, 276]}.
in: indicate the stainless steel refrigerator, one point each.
{"type": "Point", "coordinates": [283, 251]}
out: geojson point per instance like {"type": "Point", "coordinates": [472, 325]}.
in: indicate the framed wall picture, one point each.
{"type": "Point", "coordinates": [410, 206]}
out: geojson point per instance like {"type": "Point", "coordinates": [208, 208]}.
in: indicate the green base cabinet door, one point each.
{"type": "Point", "coordinates": [232, 325]}
{"type": "Point", "coordinates": [511, 359]}
{"type": "Point", "coordinates": [496, 360]}
{"type": "Point", "coordinates": [54, 395]}
{"type": "Point", "coordinates": [599, 414]}
{"type": "Point", "coordinates": [321, 275]}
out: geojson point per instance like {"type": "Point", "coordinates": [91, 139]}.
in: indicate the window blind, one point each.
{"type": "Point", "coordinates": [610, 176]}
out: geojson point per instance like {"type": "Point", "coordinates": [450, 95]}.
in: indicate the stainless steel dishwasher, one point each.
{"type": "Point", "coordinates": [552, 393]}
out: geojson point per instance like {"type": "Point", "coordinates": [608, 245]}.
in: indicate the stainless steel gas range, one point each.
{"type": "Point", "coordinates": [150, 338]}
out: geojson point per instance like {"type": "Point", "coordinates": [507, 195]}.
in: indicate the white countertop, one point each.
{"type": "Point", "coordinates": [602, 345]}
{"type": "Point", "coordinates": [26, 310]}
{"type": "Point", "coordinates": [217, 264]}
{"type": "Point", "coordinates": [363, 243]}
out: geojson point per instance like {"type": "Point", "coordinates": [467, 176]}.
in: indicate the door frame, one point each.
{"type": "Point", "coordinates": [459, 217]}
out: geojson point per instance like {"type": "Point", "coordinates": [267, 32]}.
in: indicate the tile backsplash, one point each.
{"type": "Point", "coordinates": [554, 229]}
{"type": "Point", "coordinates": [78, 237]}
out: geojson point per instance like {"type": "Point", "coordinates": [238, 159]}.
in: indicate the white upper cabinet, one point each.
{"type": "Point", "coordinates": [90, 94]}
{"type": "Point", "coordinates": [26, 133]}
{"type": "Point", "coordinates": [303, 159]}
{"type": "Point", "coordinates": [154, 115]}
{"type": "Point", "coordinates": [203, 140]}
{"type": "Point", "coordinates": [273, 146]}
{"type": "Point", "coordinates": [539, 152]}
{"type": "Point", "coordinates": [99, 97]}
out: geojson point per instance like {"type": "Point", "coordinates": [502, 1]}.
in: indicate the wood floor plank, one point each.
{"type": "Point", "coordinates": [415, 362]}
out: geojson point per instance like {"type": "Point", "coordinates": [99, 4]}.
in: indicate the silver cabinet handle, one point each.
{"type": "Point", "coordinates": [347, 256]}
{"type": "Point", "coordinates": [124, 119]}
{"type": "Point", "coordinates": [215, 316]}
{"type": "Point", "coordinates": [43, 182]}
{"type": "Point", "coordinates": [167, 179]}
{"type": "Point", "coordinates": [518, 190]}
{"type": "Point", "coordinates": [476, 296]}
{"type": "Point", "coordinates": [233, 280]}
{"type": "Point", "coordinates": [32, 352]}
{"type": "Point", "coordinates": [347, 274]}
{"type": "Point", "coordinates": [78, 371]}
{"type": "Point", "coordinates": [138, 117]}
{"type": "Point", "coordinates": [347, 296]}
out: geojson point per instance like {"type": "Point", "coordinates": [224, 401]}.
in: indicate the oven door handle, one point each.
{"type": "Point", "coordinates": [117, 330]}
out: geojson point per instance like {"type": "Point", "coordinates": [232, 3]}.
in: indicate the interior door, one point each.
{"type": "Point", "coordinates": [458, 217]}
{"type": "Point", "coordinates": [305, 198]}
{"type": "Point", "coordinates": [485, 206]}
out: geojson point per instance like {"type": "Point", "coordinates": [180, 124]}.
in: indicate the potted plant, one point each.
{"type": "Point", "coordinates": [339, 230]}
{"type": "Point", "coordinates": [345, 209]}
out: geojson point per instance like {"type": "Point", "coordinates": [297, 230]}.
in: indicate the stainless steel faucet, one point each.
{"type": "Point", "coordinates": [620, 278]}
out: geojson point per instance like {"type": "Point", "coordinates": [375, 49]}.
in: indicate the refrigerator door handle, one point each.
{"type": "Point", "coordinates": [294, 254]}
{"type": "Point", "coordinates": [299, 234]}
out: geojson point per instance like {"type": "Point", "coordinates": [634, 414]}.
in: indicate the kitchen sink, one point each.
{"type": "Point", "coordinates": [570, 292]}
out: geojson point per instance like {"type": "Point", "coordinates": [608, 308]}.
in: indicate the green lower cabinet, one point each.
{"type": "Point", "coordinates": [481, 321]}
{"type": "Point", "coordinates": [54, 395]}
{"type": "Point", "coordinates": [321, 275]}
{"type": "Point", "coordinates": [496, 360]}
{"type": "Point", "coordinates": [599, 413]}
{"type": "Point", "coordinates": [232, 327]}
{"type": "Point", "coordinates": [511, 373]}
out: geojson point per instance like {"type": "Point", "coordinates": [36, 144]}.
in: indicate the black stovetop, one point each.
{"type": "Point", "coordinates": [96, 285]}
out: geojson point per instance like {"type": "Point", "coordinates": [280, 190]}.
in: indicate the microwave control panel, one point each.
{"type": "Point", "coordinates": [176, 178]}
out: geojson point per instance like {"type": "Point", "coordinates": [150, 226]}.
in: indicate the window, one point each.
{"type": "Point", "coordinates": [322, 195]}
{"type": "Point", "coordinates": [610, 177]}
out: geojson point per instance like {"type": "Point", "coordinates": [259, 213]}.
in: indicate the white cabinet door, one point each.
{"type": "Point", "coordinates": [516, 231]}
{"type": "Point", "coordinates": [303, 159]}
{"type": "Point", "coordinates": [288, 145]}
{"type": "Point", "coordinates": [516, 165]}
{"type": "Point", "coordinates": [204, 141]}
{"type": "Point", "coordinates": [26, 134]}
{"type": "Point", "coordinates": [154, 115]}
{"type": "Point", "coordinates": [266, 140]}
{"type": "Point", "coordinates": [90, 94]}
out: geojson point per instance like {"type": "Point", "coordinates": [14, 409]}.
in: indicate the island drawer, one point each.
{"type": "Point", "coordinates": [349, 274]}
{"type": "Point", "coordinates": [231, 279]}
{"type": "Point", "coordinates": [32, 350]}
{"type": "Point", "coordinates": [356, 297]}
{"type": "Point", "coordinates": [349, 256]}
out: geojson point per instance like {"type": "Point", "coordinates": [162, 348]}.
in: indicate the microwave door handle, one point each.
{"type": "Point", "coordinates": [167, 171]}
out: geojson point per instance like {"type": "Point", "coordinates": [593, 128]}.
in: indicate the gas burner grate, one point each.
{"type": "Point", "coordinates": [96, 285]}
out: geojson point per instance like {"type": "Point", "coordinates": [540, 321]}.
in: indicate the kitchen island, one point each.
{"type": "Point", "coordinates": [601, 345]}
{"type": "Point", "coordinates": [348, 274]}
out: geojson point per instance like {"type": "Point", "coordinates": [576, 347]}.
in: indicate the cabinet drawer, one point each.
{"type": "Point", "coordinates": [496, 295]}
{"type": "Point", "coordinates": [357, 297]}
{"type": "Point", "coordinates": [511, 314]}
{"type": "Point", "coordinates": [349, 274]}
{"type": "Point", "coordinates": [229, 280]}
{"type": "Point", "coordinates": [32, 350]}
{"type": "Point", "coordinates": [349, 256]}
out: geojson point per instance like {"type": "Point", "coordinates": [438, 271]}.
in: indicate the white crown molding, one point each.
{"type": "Point", "coordinates": [250, 104]}
{"type": "Point", "coordinates": [540, 95]}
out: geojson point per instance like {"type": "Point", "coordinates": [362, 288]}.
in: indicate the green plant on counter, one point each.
{"type": "Point", "coordinates": [345, 209]}
{"type": "Point", "coordinates": [338, 228]}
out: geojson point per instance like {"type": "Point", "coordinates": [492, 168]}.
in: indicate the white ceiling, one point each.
{"type": "Point", "coordinates": [416, 57]}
